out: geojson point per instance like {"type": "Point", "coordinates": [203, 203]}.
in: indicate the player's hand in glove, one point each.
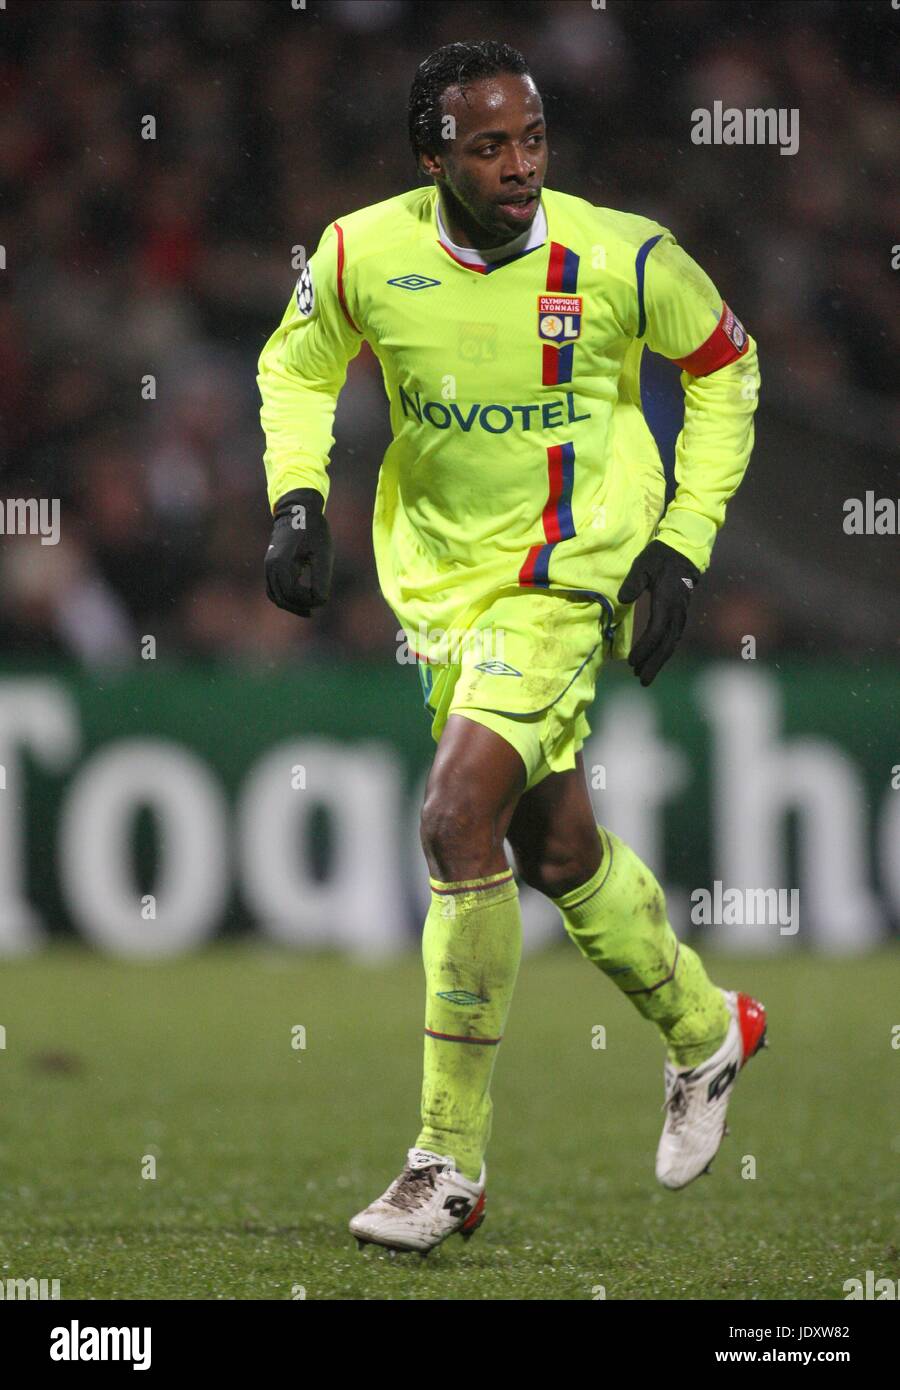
{"type": "Point", "coordinates": [300, 541]}
{"type": "Point", "coordinates": [671, 579]}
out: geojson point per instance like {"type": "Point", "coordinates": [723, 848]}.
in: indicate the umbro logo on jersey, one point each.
{"type": "Point", "coordinates": [413, 282]}
{"type": "Point", "coordinates": [497, 668]}
{"type": "Point", "coordinates": [688, 582]}
{"type": "Point", "coordinates": [720, 1083]}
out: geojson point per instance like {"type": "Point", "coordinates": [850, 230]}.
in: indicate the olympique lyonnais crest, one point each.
{"type": "Point", "coordinates": [559, 317]}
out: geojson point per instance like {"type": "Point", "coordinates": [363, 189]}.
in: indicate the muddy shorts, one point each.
{"type": "Point", "coordinates": [526, 666]}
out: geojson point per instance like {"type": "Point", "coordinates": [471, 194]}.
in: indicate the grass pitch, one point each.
{"type": "Point", "coordinates": [263, 1150]}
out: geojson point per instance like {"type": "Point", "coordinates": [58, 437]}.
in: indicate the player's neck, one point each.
{"type": "Point", "coordinates": [461, 235]}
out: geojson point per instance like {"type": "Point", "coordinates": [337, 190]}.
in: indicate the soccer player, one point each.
{"type": "Point", "coordinates": [519, 514]}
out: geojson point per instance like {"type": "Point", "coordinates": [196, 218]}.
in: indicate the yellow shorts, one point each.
{"type": "Point", "coordinates": [526, 667]}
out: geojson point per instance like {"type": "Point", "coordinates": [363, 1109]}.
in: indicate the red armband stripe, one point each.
{"type": "Point", "coordinates": [727, 342]}
{"type": "Point", "coordinates": [340, 275]}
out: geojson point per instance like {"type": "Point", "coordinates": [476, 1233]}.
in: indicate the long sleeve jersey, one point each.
{"type": "Point", "coordinates": [520, 453]}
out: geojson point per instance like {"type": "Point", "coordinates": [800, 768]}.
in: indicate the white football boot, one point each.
{"type": "Point", "coordinates": [427, 1203]}
{"type": "Point", "coordinates": [697, 1097]}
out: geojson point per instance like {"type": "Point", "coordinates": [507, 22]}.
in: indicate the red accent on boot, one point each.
{"type": "Point", "coordinates": [476, 1215]}
{"type": "Point", "coordinates": [752, 1021]}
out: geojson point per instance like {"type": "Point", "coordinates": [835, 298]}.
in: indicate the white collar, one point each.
{"type": "Point", "coordinates": [533, 236]}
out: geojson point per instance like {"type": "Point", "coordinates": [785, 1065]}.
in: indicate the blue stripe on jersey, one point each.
{"type": "Point", "coordinates": [540, 575]}
{"type": "Point", "coordinates": [564, 504]}
{"type": "Point", "coordinates": [639, 263]}
{"type": "Point", "coordinates": [570, 273]}
{"type": "Point", "coordinates": [496, 265]}
{"type": "Point", "coordinates": [662, 404]}
{"type": "Point", "coordinates": [565, 357]}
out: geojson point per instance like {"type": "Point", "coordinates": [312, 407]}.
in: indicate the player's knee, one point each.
{"type": "Point", "coordinates": [559, 869]}
{"type": "Point", "coordinates": [456, 835]}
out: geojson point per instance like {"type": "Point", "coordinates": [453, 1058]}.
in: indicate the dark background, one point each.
{"type": "Point", "coordinates": [173, 257]}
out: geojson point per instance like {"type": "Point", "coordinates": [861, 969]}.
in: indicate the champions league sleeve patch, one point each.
{"type": "Point", "coordinates": [304, 293]}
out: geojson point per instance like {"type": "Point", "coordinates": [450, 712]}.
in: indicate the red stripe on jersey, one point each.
{"type": "Point", "coordinates": [526, 573]}
{"type": "Point", "coordinates": [727, 342]}
{"type": "Point", "coordinates": [555, 266]}
{"type": "Point", "coordinates": [550, 372]}
{"type": "Point", "coordinates": [340, 276]}
{"type": "Point", "coordinates": [467, 265]}
{"type": "Point", "coordinates": [551, 516]}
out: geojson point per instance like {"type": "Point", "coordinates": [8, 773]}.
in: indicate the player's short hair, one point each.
{"type": "Point", "coordinates": [456, 64]}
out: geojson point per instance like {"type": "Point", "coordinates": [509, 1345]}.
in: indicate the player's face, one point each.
{"type": "Point", "coordinates": [492, 172]}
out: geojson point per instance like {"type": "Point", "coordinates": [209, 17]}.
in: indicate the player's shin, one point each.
{"type": "Point", "coordinates": [471, 948]}
{"type": "Point", "coordinates": [618, 920]}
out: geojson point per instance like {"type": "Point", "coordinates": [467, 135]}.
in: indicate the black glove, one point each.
{"type": "Point", "coordinates": [300, 538]}
{"type": "Point", "coordinates": [671, 579]}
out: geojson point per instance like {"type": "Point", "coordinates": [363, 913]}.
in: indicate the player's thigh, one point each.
{"type": "Point", "coordinates": [475, 780]}
{"type": "Point", "coordinates": [553, 832]}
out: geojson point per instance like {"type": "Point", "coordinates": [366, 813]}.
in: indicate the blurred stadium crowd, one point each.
{"type": "Point", "coordinates": [171, 257]}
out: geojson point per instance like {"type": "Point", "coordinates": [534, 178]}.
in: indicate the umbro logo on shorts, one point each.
{"type": "Point", "coordinates": [497, 668]}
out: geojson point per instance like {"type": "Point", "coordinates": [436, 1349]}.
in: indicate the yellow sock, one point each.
{"type": "Point", "coordinates": [471, 948]}
{"type": "Point", "coordinates": [617, 919]}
